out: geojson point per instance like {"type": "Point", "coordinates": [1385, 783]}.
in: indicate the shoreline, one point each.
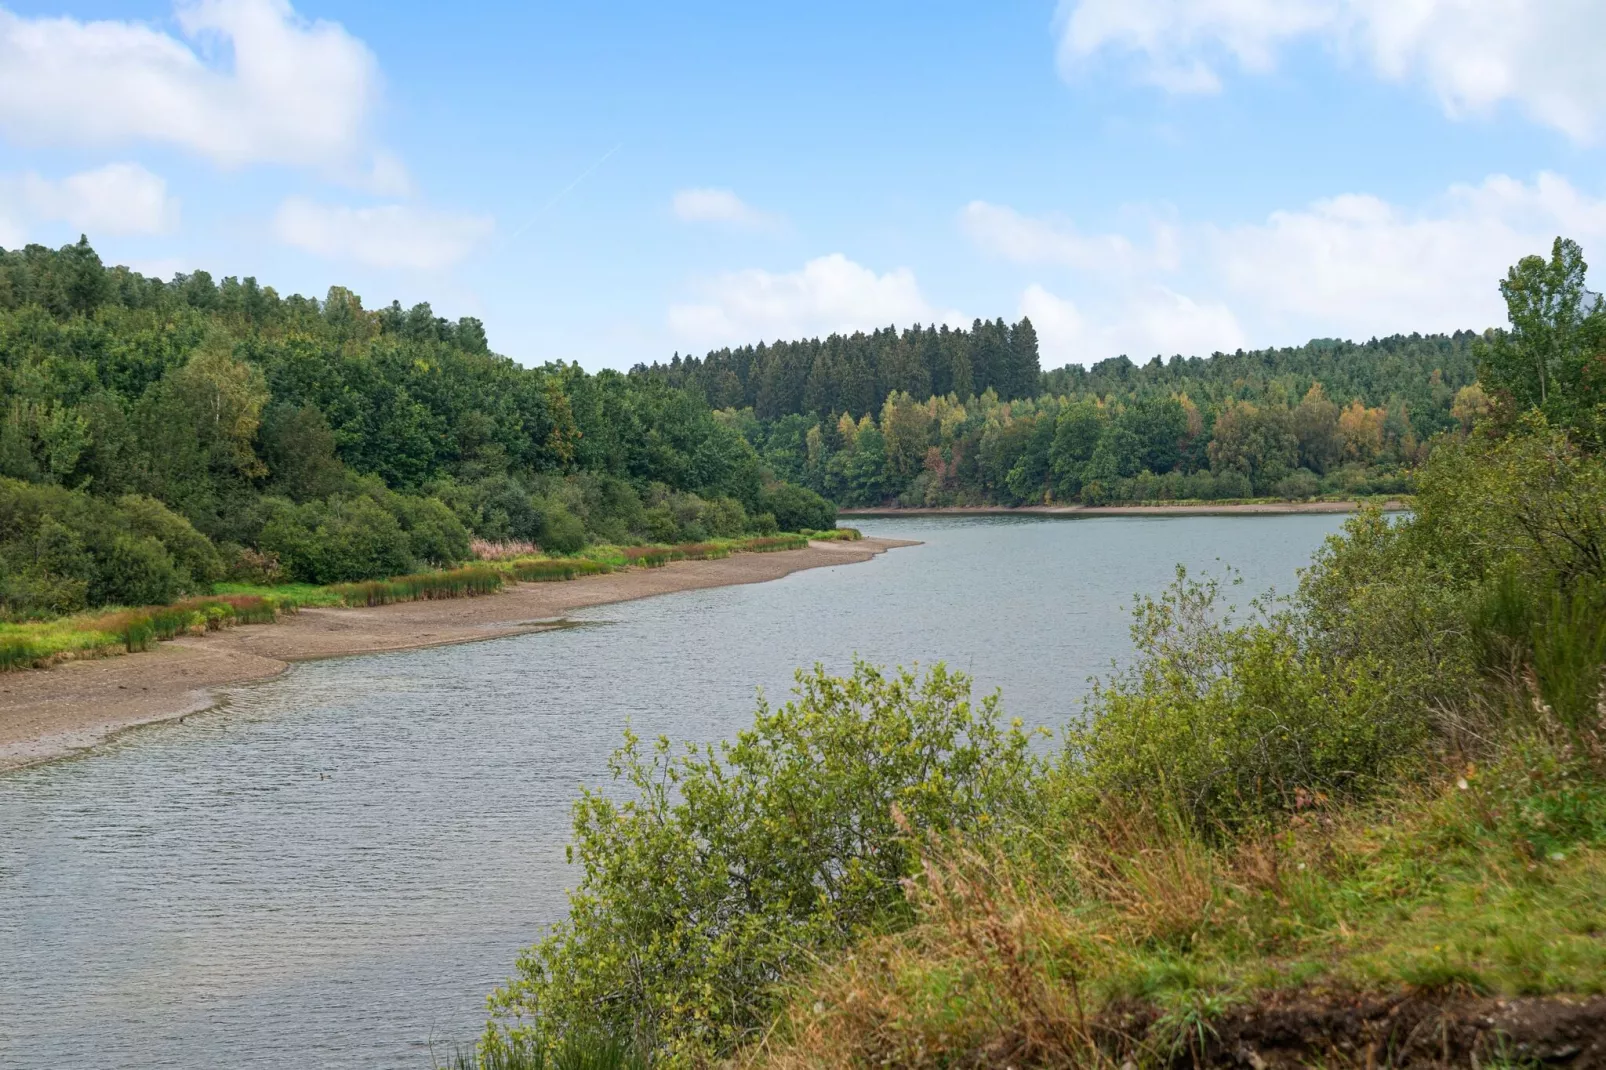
{"type": "Point", "coordinates": [1392, 505]}
{"type": "Point", "coordinates": [71, 708]}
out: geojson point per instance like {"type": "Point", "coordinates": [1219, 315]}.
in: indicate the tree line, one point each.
{"type": "Point", "coordinates": [855, 373]}
{"type": "Point", "coordinates": [1327, 417]}
{"type": "Point", "coordinates": [158, 436]}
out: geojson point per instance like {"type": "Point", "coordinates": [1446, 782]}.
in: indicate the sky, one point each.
{"type": "Point", "coordinates": [611, 183]}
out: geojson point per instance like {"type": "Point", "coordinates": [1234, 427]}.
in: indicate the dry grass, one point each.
{"type": "Point", "coordinates": [1136, 935]}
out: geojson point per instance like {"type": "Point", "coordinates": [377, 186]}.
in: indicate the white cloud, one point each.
{"type": "Point", "coordinates": [252, 82]}
{"type": "Point", "coordinates": [720, 206]}
{"type": "Point", "coordinates": [1542, 55]}
{"type": "Point", "coordinates": [119, 198]}
{"type": "Point", "coordinates": [830, 293]}
{"type": "Point", "coordinates": [1149, 321]}
{"type": "Point", "coordinates": [1362, 266]}
{"type": "Point", "coordinates": [1351, 266]}
{"type": "Point", "coordinates": [383, 236]}
{"type": "Point", "coordinates": [1026, 240]}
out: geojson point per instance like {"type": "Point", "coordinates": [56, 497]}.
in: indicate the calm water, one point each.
{"type": "Point", "coordinates": [335, 869]}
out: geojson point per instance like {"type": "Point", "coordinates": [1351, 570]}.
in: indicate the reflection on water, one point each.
{"type": "Point", "coordinates": [335, 869]}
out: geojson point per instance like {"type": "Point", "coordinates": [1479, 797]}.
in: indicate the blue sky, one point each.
{"type": "Point", "coordinates": [610, 183]}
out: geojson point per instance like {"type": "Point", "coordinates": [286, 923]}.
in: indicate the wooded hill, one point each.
{"type": "Point", "coordinates": [158, 436]}
{"type": "Point", "coordinates": [941, 417]}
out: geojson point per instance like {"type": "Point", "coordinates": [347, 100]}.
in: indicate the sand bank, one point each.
{"type": "Point", "coordinates": [1191, 509]}
{"type": "Point", "coordinates": [52, 713]}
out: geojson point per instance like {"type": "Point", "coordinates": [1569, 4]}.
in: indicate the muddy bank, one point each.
{"type": "Point", "coordinates": [1410, 1029]}
{"type": "Point", "coordinates": [51, 713]}
{"type": "Point", "coordinates": [1196, 509]}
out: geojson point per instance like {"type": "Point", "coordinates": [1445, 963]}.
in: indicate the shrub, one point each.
{"type": "Point", "coordinates": [728, 867]}
{"type": "Point", "coordinates": [797, 508]}
{"type": "Point", "coordinates": [561, 531]}
{"type": "Point", "coordinates": [1300, 484]}
{"type": "Point", "coordinates": [1235, 723]}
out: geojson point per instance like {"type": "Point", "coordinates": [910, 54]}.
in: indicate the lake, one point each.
{"type": "Point", "coordinates": [334, 870]}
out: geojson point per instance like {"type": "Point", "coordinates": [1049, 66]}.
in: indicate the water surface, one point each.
{"type": "Point", "coordinates": [332, 871]}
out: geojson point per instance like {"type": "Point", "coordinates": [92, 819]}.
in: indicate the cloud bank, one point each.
{"type": "Point", "coordinates": [119, 198]}
{"type": "Point", "coordinates": [829, 293]}
{"type": "Point", "coordinates": [1541, 55]}
{"type": "Point", "coordinates": [1352, 265]}
{"type": "Point", "coordinates": [251, 82]}
{"type": "Point", "coordinates": [382, 236]}
{"type": "Point", "coordinates": [720, 206]}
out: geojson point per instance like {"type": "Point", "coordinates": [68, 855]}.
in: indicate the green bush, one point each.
{"type": "Point", "coordinates": [798, 509]}
{"type": "Point", "coordinates": [64, 550]}
{"type": "Point", "coordinates": [1235, 723]}
{"type": "Point", "coordinates": [728, 868]}
{"type": "Point", "coordinates": [561, 531]}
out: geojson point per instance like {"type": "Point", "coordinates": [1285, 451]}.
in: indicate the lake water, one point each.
{"type": "Point", "coordinates": [332, 871]}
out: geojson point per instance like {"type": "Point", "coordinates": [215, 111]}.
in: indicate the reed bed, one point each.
{"type": "Point", "coordinates": [836, 535]}
{"type": "Point", "coordinates": [38, 644]}
{"type": "Point", "coordinates": [771, 543]}
{"type": "Point", "coordinates": [43, 643]}
{"type": "Point", "coordinates": [504, 550]}
{"type": "Point", "coordinates": [556, 569]}
{"type": "Point", "coordinates": [470, 582]}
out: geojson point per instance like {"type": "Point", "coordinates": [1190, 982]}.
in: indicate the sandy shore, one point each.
{"type": "Point", "coordinates": [52, 713]}
{"type": "Point", "coordinates": [1198, 509]}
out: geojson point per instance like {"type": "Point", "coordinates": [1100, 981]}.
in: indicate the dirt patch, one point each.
{"type": "Point", "coordinates": [1406, 1030]}
{"type": "Point", "coordinates": [52, 713]}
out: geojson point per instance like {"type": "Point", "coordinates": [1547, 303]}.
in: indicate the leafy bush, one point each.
{"type": "Point", "coordinates": [63, 550]}
{"type": "Point", "coordinates": [799, 509]}
{"type": "Point", "coordinates": [728, 867]}
{"type": "Point", "coordinates": [1234, 723]}
{"type": "Point", "coordinates": [561, 531]}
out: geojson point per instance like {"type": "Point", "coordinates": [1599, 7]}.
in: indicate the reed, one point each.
{"type": "Point", "coordinates": [556, 569]}
{"type": "Point", "coordinates": [40, 643]}
{"type": "Point", "coordinates": [469, 582]}
{"type": "Point", "coordinates": [836, 535]}
{"type": "Point", "coordinates": [648, 556]}
{"type": "Point", "coordinates": [772, 543]}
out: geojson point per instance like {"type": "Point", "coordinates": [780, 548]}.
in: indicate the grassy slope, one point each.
{"type": "Point", "coordinates": [1139, 941]}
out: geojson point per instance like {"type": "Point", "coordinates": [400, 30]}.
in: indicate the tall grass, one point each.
{"type": "Point", "coordinates": [42, 643]}
{"type": "Point", "coordinates": [469, 582]}
{"type": "Point", "coordinates": [556, 569]}
{"type": "Point", "coordinates": [836, 535]}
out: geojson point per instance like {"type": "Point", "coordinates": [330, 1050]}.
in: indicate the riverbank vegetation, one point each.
{"type": "Point", "coordinates": [1330, 829]}
{"type": "Point", "coordinates": [159, 437]}
{"type": "Point", "coordinates": [936, 417]}
{"type": "Point", "coordinates": [41, 643]}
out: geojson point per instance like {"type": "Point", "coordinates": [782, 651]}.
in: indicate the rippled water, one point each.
{"type": "Point", "coordinates": [333, 870]}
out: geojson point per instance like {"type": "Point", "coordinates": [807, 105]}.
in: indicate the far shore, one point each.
{"type": "Point", "coordinates": [1393, 505]}
{"type": "Point", "coordinates": [57, 712]}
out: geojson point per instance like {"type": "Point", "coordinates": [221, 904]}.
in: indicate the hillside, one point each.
{"type": "Point", "coordinates": [156, 437]}
{"type": "Point", "coordinates": [936, 417]}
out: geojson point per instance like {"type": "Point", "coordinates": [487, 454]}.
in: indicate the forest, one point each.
{"type": "Point", "coordinates": [157, 437]}
{"type": "Point", "coordinates": [935, 417]}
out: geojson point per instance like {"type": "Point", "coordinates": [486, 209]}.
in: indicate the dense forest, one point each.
{"type": "Point", "coordinates": [934, 417]}
{"type": "Point", "coordinates": [156, 437]}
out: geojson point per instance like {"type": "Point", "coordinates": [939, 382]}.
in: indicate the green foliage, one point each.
{"type": "Point", "coordinates": [62, 550]}
{"type": "Point", "coordinates": [1553, 357]}
{"type": "Point", "coordinates": [724, 869]}
{"type": "Point", "coordinates": [1234, 723]}
{"type": "Point", "coordinates": [352, 443]}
